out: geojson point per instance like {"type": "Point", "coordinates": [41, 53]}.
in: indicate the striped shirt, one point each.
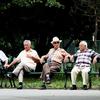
{"type": "Point", "coordinates": [84, 58]}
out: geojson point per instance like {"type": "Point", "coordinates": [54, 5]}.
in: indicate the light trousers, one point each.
{"type": "Point", "coordinates": [84, 72]}
{"type": "Point", "coordinates": [19, 70]}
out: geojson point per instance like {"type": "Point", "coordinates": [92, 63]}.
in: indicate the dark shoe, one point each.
{"type": "Point", "coordinates": [20, 87]}
{"type": "Point", "coordinates": [84, 87]}
{"type": "Point", "coordinates": [73, 87]}
{"type": "Point", "coordinates": [43, 86]}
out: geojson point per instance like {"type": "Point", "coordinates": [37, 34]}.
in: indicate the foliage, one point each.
{"type": "Point", "coordinates": [28, 3]}
{"type": "Point", "coordinates": [40, 20]}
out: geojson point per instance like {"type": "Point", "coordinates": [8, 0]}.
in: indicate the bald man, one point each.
{"type": "Point", "coordinates": [83, 60]}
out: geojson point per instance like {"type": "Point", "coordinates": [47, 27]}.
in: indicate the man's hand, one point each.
{"type": "Point", "coordinates": [29, 56]}
{"type": "Point", "coordinates": [35, 59]}
{"type": "Point", "coordinates": [71, 58]}
{"type": "Point", "coordinates": [42, 60]}
{"type": "Point", "coordinates": [6, 65]}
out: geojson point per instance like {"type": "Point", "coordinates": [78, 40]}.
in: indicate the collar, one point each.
{"type": "Point", "coordinates": [29, 50]}
{"type": "Point", "coordinates": [84, 50]}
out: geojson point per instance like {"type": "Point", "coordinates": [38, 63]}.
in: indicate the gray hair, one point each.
{"type": "Point", "coordinates": [84, 43]}
{"type": "Point", "coordinates": [27, 42]}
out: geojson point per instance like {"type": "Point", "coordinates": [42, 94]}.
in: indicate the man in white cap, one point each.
{"type": "Point", "coordinates": [54, 57]}
{"type": "Point", "coordinates": [83, 57]}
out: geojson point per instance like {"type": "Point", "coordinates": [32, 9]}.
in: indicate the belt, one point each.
{"type": "Point", "coordinates": [54, 63]}
{"type": "Point", "coordinates": [82, 66]}
{"type": "Point", "coordinates": [82, 63]}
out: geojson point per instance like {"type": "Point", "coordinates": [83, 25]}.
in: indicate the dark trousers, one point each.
{"type": "Point", "coordinates": [49, 68]}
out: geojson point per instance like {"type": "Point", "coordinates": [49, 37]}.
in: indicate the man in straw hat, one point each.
{"type": "Point", "coordinates": [54, 57]}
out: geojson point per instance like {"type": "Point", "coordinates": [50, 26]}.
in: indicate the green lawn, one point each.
{"type": "Point", "coordinates": [56, 83]}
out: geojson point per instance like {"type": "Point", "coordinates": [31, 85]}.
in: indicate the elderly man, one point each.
{"type": "Point", "coordinates": [54, 57]}
{"type": "Point", "coordinates": [83, 57]}
{"type": "Point", "coordinates": [27, 61]}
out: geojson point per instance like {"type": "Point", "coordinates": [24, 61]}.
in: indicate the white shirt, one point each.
{"type": "Point", "coordinates": [3, 57]}
{"type": "Point", "coordinates": [28, 61]}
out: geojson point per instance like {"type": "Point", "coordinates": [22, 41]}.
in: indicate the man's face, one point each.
{"type": "Point", "coordinates": [27, 46]}
{"type": "Point", "coordinates": [82, 47]}
{"type": "Point", "coordinates": [56, 44]}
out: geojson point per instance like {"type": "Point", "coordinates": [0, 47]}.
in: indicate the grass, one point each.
{"type": "Point", "coordinates": [56, 83]}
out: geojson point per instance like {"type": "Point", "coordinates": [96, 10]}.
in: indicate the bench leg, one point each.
{"type": "Point", "coordinates": [2, 78]}
{"type": "Point", "coordinates": [66, 77]}
{"type": "Point", "coordinates": [14, 85]}
{"type": "Point", "coordinates": [12, 82]}
{"type": "Point", "coordinates": [90, 83]}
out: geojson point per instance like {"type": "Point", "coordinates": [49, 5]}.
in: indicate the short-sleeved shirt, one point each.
{"type": "Point", "coordinates": [3, 57]}
{"type": "Point", "coordinates": [28, 61]}
{"type": "Point", "coordinates": [85, 57]}
{"type": "Point", "coordinates": [56, 55]}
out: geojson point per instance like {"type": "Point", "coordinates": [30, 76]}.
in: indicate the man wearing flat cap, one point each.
{"type": "Point", "coordinates": [54, 59]}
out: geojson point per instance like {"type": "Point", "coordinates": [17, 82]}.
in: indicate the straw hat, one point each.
{"type": "Point", "coordinates": [56, 39]}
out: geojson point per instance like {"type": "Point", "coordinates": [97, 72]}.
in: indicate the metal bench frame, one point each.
{"type": "Point", "coordinates": [4, 76]}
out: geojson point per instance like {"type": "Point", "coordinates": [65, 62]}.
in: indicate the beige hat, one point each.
{"type": "Point", "coordinates": [56, 39]}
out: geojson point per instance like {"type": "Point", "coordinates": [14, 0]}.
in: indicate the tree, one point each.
{"type": "Point", "coordinates": [40, 20]}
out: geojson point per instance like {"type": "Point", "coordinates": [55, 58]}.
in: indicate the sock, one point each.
{"type": "Point", "coordinates": [47, 76]}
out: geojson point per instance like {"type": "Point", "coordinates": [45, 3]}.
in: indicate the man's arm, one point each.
{"type": "Point", "coordinates": [13, 62]}
{"type": "Point", "coordinates": [36, 59]}
{"type": "Point", "coordinates": [43, 58]}
{"type": "Point", "coordinates": [95, 58]}
{"type": "Point", "coordinates": [5, 63]}
{"type": "Point", "coordinates": [3, 58]}
{"type": "Point", "coordinates": [66, 55]}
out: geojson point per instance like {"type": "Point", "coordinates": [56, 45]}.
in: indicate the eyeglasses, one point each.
{"type": "Point", "coordinates": [55, 42]}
